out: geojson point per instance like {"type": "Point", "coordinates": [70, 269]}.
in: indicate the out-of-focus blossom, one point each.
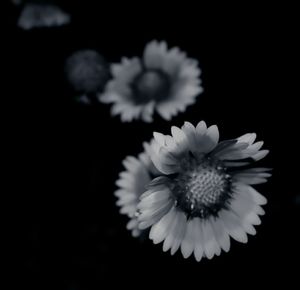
{"type": "Point", "coordinates": [165, 80]}
{"type": "Point", "coordinates": [87, 72]}
{"type": "Point", "coordinates": [40, 15]}
{"type": "Point", "coordinates": [131, 184]}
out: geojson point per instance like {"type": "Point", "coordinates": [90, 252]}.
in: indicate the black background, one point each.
{"type": "Point", "coordinates": [67, 156]}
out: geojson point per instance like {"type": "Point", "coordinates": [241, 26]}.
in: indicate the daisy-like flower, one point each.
{"type": "Point", "coordinates": [132, 183]}
{"type": "Point", "coordinates": [39, 15]}
{"type": "Point", "coordinates": [164, 80]}
{"type": "Point", "coordinates": [87, 72]}
{"type": "Point", "coordinates": [204, 194]}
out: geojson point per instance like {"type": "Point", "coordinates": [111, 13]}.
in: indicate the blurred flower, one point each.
{"type": "Point", "coordinates": [132, 183]}
{"type": "Point", "coordinates": [16, 2]}
{"type": "Point", "coordinates": [87, 72]}
{"type": "Point", "coordinates": [164, 79]}
{"type": "Point", "coordinates": [36, 15]}
{"type": "Point", "coordinates": [204, 194]}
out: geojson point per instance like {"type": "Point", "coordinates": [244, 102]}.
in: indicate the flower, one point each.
{"type": "Point", "coordinates": [204, 193]}
{"type": "Point", "coordinates": [87, 72]}
{"type": "Point", "coordinates": [35, 15]}
{"type": "Point", "coordinates": [132, 183]}
{"type": "Point", "coordinates": [16, 2]}
{"type": "Point", "coordinates": [164, 79]}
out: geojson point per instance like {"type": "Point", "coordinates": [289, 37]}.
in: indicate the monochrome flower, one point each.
{"type": "Point", "coordinates": [164, 79]}
{"type": "Point", "coordinates": [87, 72]}
{"type": "Point", "coordinates": [36, 15]}
{"type": "Point", "coordinates": [131, 184]}
{"type": "Point", "coordinates": [204, 193]}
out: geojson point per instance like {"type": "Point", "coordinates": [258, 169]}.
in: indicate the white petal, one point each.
{"type": "Point", "coordinates": [159, 138]}
{"type": "Point", "coordinates": [245, 210]}
{"type": "Point", "coordinates": [167, 157]}
{"type": "Point", "coordinates": [260, 155]}
{"type": "Point", "coordinates": [257, 170]}
{"type": "Point", "coordinates": [124, 183]}
{"type": "Point", "coordinates": [221, 235]}
{"type": "Point", "coordinates": [224, 152]}
{"type": "Point", "coordinates": [127, 199]}
{"type": "Point", "coordinates": [160, 230]}
{"type": "Point", "coordinates": [147, 219]}
{"type": "Point", "coordinates": [254, 148]}
{"type": "Point", "coordinates": [178, 135]}
{"type": "Point", "coordinates": [168, 242]}
{"type": "Point", "coordinates": [248, 138]}
{"type": "Point", "coordinates": [259, 210]}
{"type": "Point", "coordinates": [130, 163]}
{"type": "Point", "coordinates": [128, 70]}
{"type": "Point", "coordinates": [120, 192]}
{"type": "Point", "coordinates": [245, 206]}
{"type": "Point", "coordinates": [128, 209]}
{"type": "Point", "coordinates": [133, 223]}
{"type": "Point", "coordinates": [249, 229]}
{"type": "Point", "coordinates": [233, 226]}
{"type": "Point", "coordinates": [235, 164]}
{"type": "Point", "coordinates": [154, 200]}
{"type": "Point", "coordinates": [164, 111]}
{"type": "Point", "coordinates": [213, 133]}
{"type": "Point", "coordinates": [257, 197]}
{"type": "Point", "coordinates": [173, 62]}
{"type": "Point", "coordinates": [158, 182]}
{"type": "Point", "coordinates": [147, 112]}
{"type": "Point", "coordinates": [153, 210]}
{"type": "Point", "coordinates": [162, 164]}
{"type": "Point", "coordinates": [187, 245]}
{"type": "Point", "coordinates": [135, 232]}
{"type": "Point", "coordinates": [170, 143]}
{"type": "Point", "coordinates": [153, 54]}
{"type": "Point", "coordinates": [249, 179]}
{"type": "Point", "coordinates": [179, 233]}
{"type": "Point", "coordinates": [209, 140]}
{"type": "Point", "coordinates": [252, 173]}
{"type": "Point", "coordinates": [210, 244]}
{"type": "Point", "coordinates": [198, 240]}
{"type": "Point", "coordinates": [190, 132]}
{"type": "Point", "coordinates": [201, 129]}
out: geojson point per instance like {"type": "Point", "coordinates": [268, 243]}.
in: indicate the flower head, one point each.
{"type": "Point", "coordinates": [132, 183]}
{"type": "Point", "coordinates": [36, 15]}
{"type": "Point", "coordinates": [164, 80]}
{"type": "Point", "coordinates": [87, 72]}
{"type": "Point", "coordinates": [204, 193]}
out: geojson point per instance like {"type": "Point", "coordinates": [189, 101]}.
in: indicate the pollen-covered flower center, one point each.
{"type": "Point", "coordinates": [150, 85]}
{"type": "Point", "coordinates": [203, 189]}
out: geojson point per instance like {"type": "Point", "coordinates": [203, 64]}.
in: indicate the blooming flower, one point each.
{"type": "Point", "coordinates": [132, 183]}
{"type": "Point", "coordinates": [35, 15]}
{"type": "Point", "coordinates": [87, 72]}
{"type": "Point", "coordinates": [164, 79]}
{"type": "Point", "coordinates": [204, 194]}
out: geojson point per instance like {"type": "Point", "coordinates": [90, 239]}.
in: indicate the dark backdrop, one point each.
{"type": "Point", "coordinates": [68, 156]}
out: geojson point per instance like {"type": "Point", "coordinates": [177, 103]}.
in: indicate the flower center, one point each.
{"type": "Point", "coordinates": [150, 85]}
{"type": "Point", "coordinates": [203, 188]}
